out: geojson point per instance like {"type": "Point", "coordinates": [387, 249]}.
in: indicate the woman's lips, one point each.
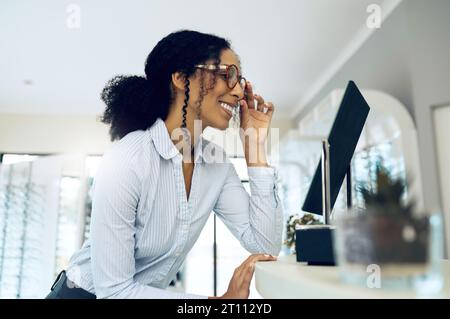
{"type": "Point", "coordinates": [226, 108]}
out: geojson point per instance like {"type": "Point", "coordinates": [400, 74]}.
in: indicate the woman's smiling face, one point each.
{"type": "Point", "coordinates": [220, 101]}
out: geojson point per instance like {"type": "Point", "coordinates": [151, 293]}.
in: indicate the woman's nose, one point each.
{"type": "Point", "coordinates": [238, 91]}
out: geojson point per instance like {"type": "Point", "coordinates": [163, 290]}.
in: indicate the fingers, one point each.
{"type": "Point", "coordinates": [261, 105]}
{"type": "Point", "coordinates": [270, 108]}
{"type": "Point", "coordinates": [243, 109]}
{"type": "Point", "coordinates": [261, 257]}
{"type": "Point", "coordinates": [248, 266]}
{"type": "Point", "coordinates": [260, 100]}
{"type": "Point", "coordinates": [250, 95]}
{"type": "Point", "coordinates": [239, 286]}
{"type": "Point", "coordinates": [264, 107]}
{"type": "Point", "coordinates": [252, 259]}
{"type": "Point", "coordinates": [255, 257]}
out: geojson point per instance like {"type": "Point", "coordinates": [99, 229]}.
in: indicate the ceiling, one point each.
{"type": "Point", "coordinates": [286, 46]}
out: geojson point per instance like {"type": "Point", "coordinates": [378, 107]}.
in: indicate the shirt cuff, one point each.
{"type": "Point", "coordinates": [262, 180]}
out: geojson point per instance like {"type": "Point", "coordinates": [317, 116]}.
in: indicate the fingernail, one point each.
{"type": "Point", "coordinates": [266, 255]}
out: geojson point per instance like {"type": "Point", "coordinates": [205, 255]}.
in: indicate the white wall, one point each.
{"type": "Point", "coordinates": [408, 59]}
{"type": "Point", "coordinates": [52, 134]}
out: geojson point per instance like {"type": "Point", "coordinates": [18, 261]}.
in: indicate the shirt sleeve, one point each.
{"type": "Point", "coordinates": [255, 220]}
{"type": "Point", "coordinates": [115, 200]}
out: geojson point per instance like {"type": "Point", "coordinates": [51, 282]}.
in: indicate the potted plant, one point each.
{"type": "Point", "coordinates": [387, 233]}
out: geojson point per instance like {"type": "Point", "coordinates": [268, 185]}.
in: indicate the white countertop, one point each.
{"type": "Point", "coordinates": [286, 278]}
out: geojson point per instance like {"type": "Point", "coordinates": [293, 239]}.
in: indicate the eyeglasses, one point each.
{"type": "Point", "coordinates": [231, 73]}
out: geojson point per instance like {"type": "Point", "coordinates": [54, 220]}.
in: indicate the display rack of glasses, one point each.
{"type": "Point", "coordinates": [29, 204]}
{"type": "Point", "coordinates": [44, 219]}
{"type": "Point", "coordinates": [21, 212]}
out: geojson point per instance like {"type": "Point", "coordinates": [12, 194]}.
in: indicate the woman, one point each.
{"type": "Point", "coordinates": [156, 187]}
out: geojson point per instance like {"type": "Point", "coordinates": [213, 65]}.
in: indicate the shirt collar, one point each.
{"type": "Point", "coordinates": [164, 145]}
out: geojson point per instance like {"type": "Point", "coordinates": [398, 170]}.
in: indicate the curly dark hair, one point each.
{"type": "Point", "coordinates": [136, 102]}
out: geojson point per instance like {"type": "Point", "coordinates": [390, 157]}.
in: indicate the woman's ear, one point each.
{"type": "Point", "coordinates": [178, 81]}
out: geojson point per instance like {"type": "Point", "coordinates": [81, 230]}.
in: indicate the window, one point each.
{"type": "Point", "coordinates": [17, 158]}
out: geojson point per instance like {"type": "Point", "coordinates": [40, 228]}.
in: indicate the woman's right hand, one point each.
{"type": "Point", "coordinates": [239, 287]}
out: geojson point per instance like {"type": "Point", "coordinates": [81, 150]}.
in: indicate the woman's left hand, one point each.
{"type": "Point", "coordinates": [253, 115]}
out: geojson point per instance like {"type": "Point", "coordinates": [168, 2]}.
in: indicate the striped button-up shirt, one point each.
{"type": "Point", "coordinates": [143, 225]}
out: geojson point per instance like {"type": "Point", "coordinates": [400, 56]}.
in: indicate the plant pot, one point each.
{"type": "Point", "coordinates": [404, 250]}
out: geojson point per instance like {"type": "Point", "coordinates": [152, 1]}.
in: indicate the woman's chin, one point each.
{"type": "Point", "coordinates": [225, 125]}
{"type": "Point", "coordinates": [221, 125]}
